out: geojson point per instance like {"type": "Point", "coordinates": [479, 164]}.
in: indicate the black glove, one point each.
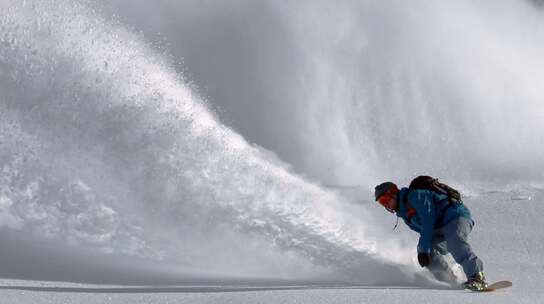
{"type": "Point", "coordinates": [424, 259]}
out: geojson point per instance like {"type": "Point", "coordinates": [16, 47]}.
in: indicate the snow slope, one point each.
{"type": "Point", "coordinates": [508, 241]}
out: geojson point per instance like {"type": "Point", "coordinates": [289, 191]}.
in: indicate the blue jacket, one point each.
{"type": "Point", "coordinates": [428, 214]}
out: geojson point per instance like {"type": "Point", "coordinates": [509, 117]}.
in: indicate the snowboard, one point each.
{"type": "Point", "coordinates": [496, 286]}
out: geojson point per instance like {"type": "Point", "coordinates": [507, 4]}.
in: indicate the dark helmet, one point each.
{"type": "Point", "coordinates": [383, 188]}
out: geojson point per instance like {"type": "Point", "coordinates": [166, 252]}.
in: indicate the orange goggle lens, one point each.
{"type": "Point", "coordinates": [384, 199]}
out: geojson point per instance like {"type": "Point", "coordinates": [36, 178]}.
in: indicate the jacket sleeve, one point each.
{"type": "Point", "coordinates": [424, 205]}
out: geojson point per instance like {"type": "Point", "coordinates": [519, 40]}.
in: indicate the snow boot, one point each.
{"type": "Point", "coordinates": [476, 282]}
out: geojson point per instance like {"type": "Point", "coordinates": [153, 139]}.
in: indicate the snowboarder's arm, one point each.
{"type": "Point", "coordinates": [423, 203]}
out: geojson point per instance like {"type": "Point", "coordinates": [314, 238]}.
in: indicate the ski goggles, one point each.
{"type": "Point", "coordinates": [384, 199]}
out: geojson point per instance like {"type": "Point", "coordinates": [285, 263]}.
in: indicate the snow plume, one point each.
{"type": "Point", "coordinates": [368, 90]}
{"type": "Point", "coordinates": [105, 147]}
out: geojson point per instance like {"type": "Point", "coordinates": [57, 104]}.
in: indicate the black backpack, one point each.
{"type": "Point", "coordinates": [429, 183]}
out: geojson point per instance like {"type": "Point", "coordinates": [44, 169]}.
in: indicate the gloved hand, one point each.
{"type": "Point", "coordinates": [424, 259]}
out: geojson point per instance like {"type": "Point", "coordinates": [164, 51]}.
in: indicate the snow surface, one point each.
{"type": "Point", "coordinates": [506, 237]}
{"type": "Point", "coordinates": [67, 293]}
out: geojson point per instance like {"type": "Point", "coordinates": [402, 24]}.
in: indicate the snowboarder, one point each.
{"type": "Point", "coordinates": [443, 224]}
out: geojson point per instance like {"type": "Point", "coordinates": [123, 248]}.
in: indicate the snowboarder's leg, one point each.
{"type": "Point", "coordinates": [456, 234]}
{"type": "Point", "coordinates": [439, 266]}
